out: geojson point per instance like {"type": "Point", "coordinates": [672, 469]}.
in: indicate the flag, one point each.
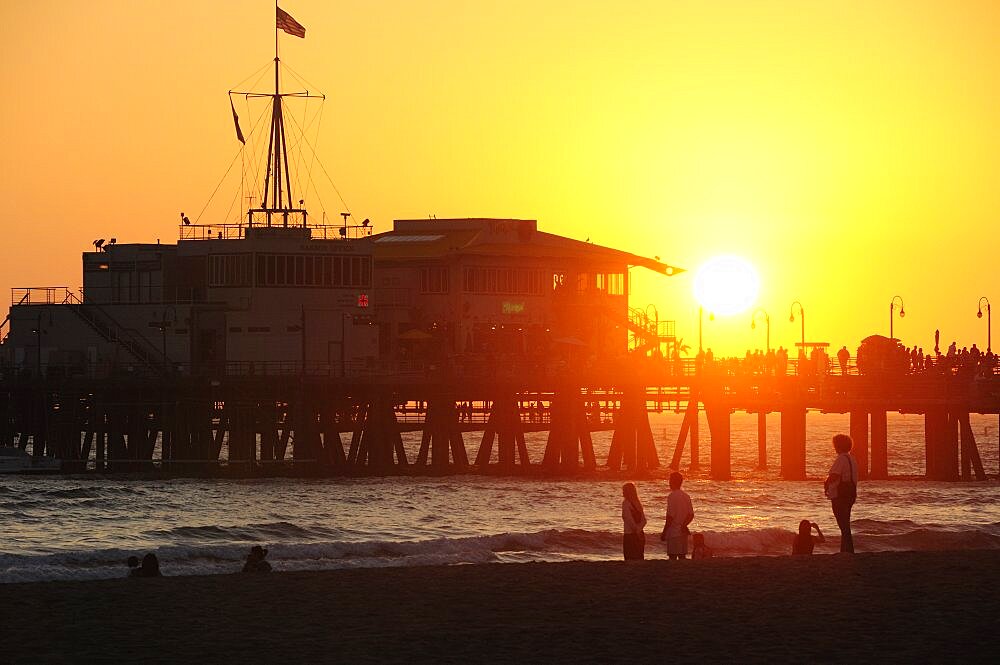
{"type": "Point", "coordinates": [236, 121]}
{"type": "Point", "coordinates": [288, 24]}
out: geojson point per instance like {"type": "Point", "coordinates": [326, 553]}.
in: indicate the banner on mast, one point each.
{"type": "Point", "coordinates": [236, 121]}
{"type": "Point", "coordinates": [289, 25]}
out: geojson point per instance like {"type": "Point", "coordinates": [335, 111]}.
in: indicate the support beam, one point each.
{"type": "Point", "coordinates": [859, 435]}
{"type": "Point", "coordinates": [761, 440]}
{"type": "Point", "coordinates": [970, 452]}
{"type": "Point", "coordinates": [690, 421]}
{"type": "Point", "coordinates": [717, 413]}
{"type": "Point", "coordinates": [442, 435]}
{"type": "Point", "coordinates": [879, 445]}
{"type": "Point", "coordinates": [793, 442]}
{"type": "Point", "coordinates": [632, 444]}
{"type": "Point", "coordinates": [569, 434]}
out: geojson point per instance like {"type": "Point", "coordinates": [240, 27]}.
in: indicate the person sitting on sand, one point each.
{"type": "Point", "coordinates": [633, 520]}
{"type": "Point", "coordinates": [680, 512]}
{"type": "Point", "coordinates": [133, 566]}
{"type": "Point", "coordinates": [150, 566]}
{"type": "Point", "coordinates": [804, 540]}
{"type": "Point", "coordinates": [255, 561]}
{"type": "Point", "coordinates": [699, 550]}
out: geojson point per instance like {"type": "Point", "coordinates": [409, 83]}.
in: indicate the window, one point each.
{"type": "Point", "coordinates": [307, 270]}
{"type": "Point", "coordinates": [435, 279]}
{"type": "Point", "coordinates": [229, 269]}
{"type": "Point", "coordinates": [503, 281]}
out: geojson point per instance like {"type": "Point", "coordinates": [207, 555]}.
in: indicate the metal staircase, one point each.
{"type": "Point", "coordinates": [110, 330]}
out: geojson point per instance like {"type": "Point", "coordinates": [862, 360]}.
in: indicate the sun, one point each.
{"type": "Point", "coordinates": [726, 285]}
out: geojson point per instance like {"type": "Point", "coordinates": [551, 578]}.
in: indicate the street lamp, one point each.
{"type": "Point", "coordinates": [989, 324]}
{"type": "Point", "coordinates": [767, 320]}
{"type": "Point", "coordinates": [701, 316]}
{"type": "Point", "coordinates": [802, 318]}
{"type": "Point", "coordinates": [38, 332]}
{"type": "Point", "coordinates": [892, 309]}
{"type": "Point", "coordinates": [165, 323]}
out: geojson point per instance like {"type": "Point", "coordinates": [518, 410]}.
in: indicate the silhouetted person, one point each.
{"type": "Point", "coordinates": [804, 540]}
{"type": "Point", "coordinates": [680, 512]}
{"type": "Point", "coordinates": [255, 561]}
{"type": "Point", "coordinates": [843, 357]}
{"type": "Point", "coordinates": [633, 521]}
{"type": "Point", "coordinates": [150, 566]}
{"type": "Point", "coordinates": [699, 550]}
{"type": "Point", "coordinates": [842, 488]}
{"type": "Point", "coordinates": [133, 566]}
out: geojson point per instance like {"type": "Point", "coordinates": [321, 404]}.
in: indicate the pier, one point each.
{"type": "Point", "coordinates": [260, 419]}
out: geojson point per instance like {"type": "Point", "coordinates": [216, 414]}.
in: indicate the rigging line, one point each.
{"type": "Point", "coordinates": [221, 180]}
{"type": "Point", "coordinates": [298, 153]}
{"type": "Point", "coordinates": [310, 146]}
{"type": "Point", "coordinates": [302, 79]}
{"type": "Point", "coordinates": [231, 204]}
{"type": "Point", "coordinates": [262, 69]}
{"type": "Point", "coordinates": [319, 198]}
{"type": "Point", "coordinates": [297, 141]}
{"type": "Point", "coordinates": [255, 164]}
{"type": "Point", "coordinates": [254, 148]}
{"type": "Point", "coordinates": [312, 162]}
{"type": "Point", "coordinates": [260, 74]}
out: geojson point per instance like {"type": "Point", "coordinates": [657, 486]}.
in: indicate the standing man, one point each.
{"type": "Point", "coordinates": [680, 512]}
{"type": "Point", "coordinates": [843, 357]}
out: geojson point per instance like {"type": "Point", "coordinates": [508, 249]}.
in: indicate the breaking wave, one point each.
{"type": "Point", "coordinates": [299, 548]}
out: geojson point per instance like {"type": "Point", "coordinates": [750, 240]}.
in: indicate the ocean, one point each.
{"type": "Point", "coordinates": [82, 527]}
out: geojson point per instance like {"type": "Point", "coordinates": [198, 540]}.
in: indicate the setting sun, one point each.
{"type": "Point", "coordinates": [726, 285]}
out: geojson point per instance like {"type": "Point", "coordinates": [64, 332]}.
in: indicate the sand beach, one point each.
{"type": "Point", "coordinates": [880, 607]}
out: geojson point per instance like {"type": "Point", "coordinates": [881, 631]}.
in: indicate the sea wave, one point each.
{"type": "Point", "coordinates": [546, 545]}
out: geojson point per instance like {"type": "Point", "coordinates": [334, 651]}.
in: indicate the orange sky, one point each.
{"type": "Point", "coordinates": [849, 150]}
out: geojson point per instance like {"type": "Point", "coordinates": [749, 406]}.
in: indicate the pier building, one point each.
{"type": "Point", "coordinates": [492, 288]}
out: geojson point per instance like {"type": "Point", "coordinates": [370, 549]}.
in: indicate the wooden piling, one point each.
{"type": "Point", "coordinates": [879, 445]}
{"type": "Point", "coordinates": [632, 444]}
{"type": "Point", "coordinates": [761, 440]}
{"type": "Point", "coordinates": [569, 436]}
{"type": "Point", "coordinates": [859, 436]}
{"type": "Point", "coordinates": [717, 413]}
{"type": "Point", "coordinates": [793, 442]}
{"type": "Point", "coordinates": [971, 461]}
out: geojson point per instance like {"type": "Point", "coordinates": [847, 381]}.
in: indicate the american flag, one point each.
{"type": "Point", "coordinates": [289, 25]}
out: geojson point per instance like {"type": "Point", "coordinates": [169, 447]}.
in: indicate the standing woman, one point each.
{"type": "Point", "coordinates": [633, 521]}
{"type": "Point", "coordinates": [841, 488]}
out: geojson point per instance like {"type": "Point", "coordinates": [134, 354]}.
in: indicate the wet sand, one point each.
{"type": "Point", "coordinates": [886, 607]}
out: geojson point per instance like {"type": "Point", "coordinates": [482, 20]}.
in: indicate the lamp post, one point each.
{"type": "Point", "coordinates": [165, 323]}
{"type": "Point", "coordinates": [892, 309]}
{"type": "Point", "coordinates": [701, 316]}
{"type": "Point", "coordinates": [767, 321]}
{"type": "Point", "coordinates": [989, 324]}
{"type": "Point", "coordinates": [802, 318]}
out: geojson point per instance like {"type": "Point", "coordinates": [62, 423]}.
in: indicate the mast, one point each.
{"type": "Point", "coordinates": [277, 196]}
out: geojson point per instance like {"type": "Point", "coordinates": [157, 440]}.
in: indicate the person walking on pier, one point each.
{"type": "Point", "coordinates": [843, 357]}
{"type": "Point", "coordinates": [680, 512]}
{"type": "Point", "coordinates": [633, 521]}
{"type": "Point", "coordinates": [841, 488]}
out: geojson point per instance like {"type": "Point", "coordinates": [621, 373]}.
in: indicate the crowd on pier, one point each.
{"type": "Point", "coordinates": [875, 356]}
